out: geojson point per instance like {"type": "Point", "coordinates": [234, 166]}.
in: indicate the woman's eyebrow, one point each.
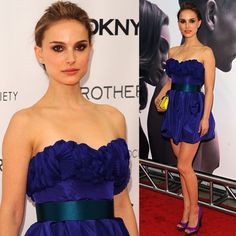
{"type": "Point", "coordinates": [59, 42]}
{"type": "Point", "coordinates": [193, 18]}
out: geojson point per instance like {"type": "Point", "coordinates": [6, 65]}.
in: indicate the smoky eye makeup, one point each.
{"type": "Point", "coordinates": [81, 46]}
{"type": "Point", "coordinates": [182, 21]}
{"type": "Point", "coordinates": [192, 20]}
{"type": "Point", "coordinates": [57, 48]}
{"type": "Point", "coordinates": [60, 46]}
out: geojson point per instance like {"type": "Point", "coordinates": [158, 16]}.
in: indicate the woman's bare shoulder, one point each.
{"type": "Point", "coordinates": [21, 117]}
{"type": "Point", "coordinates": [114, 118]}
{"type": "Point", "coordinates": [207, 51]}
{"type": "Point", "coordinates": [23, 121]}
{"type": "Point", "coordinates": [19, 132]}
{"type": "Point", "coordinates": [20, 122]}
{"type": "Point", "coordinates": [111, 111]}
{"type": "Point", "coordinates": [207, 55]}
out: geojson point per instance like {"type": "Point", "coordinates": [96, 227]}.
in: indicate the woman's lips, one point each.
{"type": "Point", "coordinates": [187, 31]}
{"type": "Point", "coordinates": [71, 71]}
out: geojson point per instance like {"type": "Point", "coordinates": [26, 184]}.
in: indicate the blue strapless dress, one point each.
{"type": "Point", "coordinates": [68, 171]}
{"type": "Point", "coordinates": [185, 109]}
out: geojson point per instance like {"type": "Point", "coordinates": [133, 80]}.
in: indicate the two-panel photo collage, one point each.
{"type": "Point", "coordinates": [118, 118]}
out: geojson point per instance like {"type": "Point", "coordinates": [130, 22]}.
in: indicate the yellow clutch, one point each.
{"type": "Point", "coordinates": [164, 102]}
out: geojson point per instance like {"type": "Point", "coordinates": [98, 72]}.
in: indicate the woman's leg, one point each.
{"type": "Point", "coordinates": [185, 217]}
{"type": "Point", "coordinates": [186, 155]}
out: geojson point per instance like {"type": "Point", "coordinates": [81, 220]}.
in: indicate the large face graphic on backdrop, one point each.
{"type": "Point", "coordinates": [154, 45]}
{"type": "Point", "coordinates": [218, 29]}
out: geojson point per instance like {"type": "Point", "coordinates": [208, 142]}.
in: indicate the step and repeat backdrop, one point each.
{"type": "Point", "coordinates": [159, 29]}
{"type": "Point", "coordinates": [112, 77]}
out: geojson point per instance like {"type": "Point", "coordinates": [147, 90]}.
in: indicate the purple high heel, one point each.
{"type": "Point", "coordinates": [182, 226]}
{"type": "Point", "coordinates": [194, 230]}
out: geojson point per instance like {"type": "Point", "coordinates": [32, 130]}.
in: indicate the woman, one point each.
{"type": "Point", "coordinates": [68, 154]}
{"type": "Point", "coordinates": [188, 119]}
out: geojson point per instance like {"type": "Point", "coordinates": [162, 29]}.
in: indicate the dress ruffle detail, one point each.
{"type": "Point", "coordinates": [189, 67]}
{"type": "Point", "coordinates": [69, 160]}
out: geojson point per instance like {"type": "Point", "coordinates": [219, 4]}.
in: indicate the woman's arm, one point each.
{"type": "Point", "coordinates": [124, 210]}
{"type": "Point", "coordinates": [161, 94]}
{"type": "Point", "coordinates": [167, 85]}
{"type": "Point", "coordinates": [209, 64]}
{"type": "Point", "coordinates": [122, 205]}
{"type": "Point", "coordinates": [16, 156]}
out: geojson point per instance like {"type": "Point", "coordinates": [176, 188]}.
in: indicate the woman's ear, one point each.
{"type": "Point", "coordinates": [211, 14]}
{"type": "Point", "coordinates": [38, 54]}
{"type": "Point", "coordinates": [199, 23]}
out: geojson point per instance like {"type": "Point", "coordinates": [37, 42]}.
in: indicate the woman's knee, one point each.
{"type": "Point", "coordinates": [183, 168]}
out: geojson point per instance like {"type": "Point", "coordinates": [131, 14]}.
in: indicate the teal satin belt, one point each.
{"type": "Point", "coordinates": [75, 210]}
{"type": "Point", "coordinates": [186, 87]}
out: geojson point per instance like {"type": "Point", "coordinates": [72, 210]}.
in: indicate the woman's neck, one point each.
{"type": "Point", "coordinates": [190, 42]}
{"type": "Point", "coordinates": [63, 96]}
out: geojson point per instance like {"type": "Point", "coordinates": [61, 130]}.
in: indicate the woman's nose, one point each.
{"type": "Point", "coordinates": [187, 25]}
{"type": "Point", "coordinates": [70, 59]}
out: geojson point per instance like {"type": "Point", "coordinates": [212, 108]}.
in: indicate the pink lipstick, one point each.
{"type": "Point", "coordinates": [70, 71]}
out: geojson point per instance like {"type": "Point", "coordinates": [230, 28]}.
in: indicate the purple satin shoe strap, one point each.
{"type": "Point", "coordinates": [191, 230]}
{"type": "Point", "coordinates": [182, 225]}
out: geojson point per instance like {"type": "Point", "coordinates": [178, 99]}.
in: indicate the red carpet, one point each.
{"type": "Point", "coordinates": [159, 214]}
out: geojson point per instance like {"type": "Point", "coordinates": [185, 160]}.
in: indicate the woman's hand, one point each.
{"type": "Point", "coordinates": [157, 103]}
{"type": "Point", "coordinates": [203, 127]}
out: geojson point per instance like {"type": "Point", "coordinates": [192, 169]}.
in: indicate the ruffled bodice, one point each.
{"type": "Point", "coordinates": [185, 109]}
{"type": "Point", "coordinates": [189, 71]}
{"type": "Point", "coordinates": [70, 171]}
{"type": "Point", "coordinates": [67, 162]}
